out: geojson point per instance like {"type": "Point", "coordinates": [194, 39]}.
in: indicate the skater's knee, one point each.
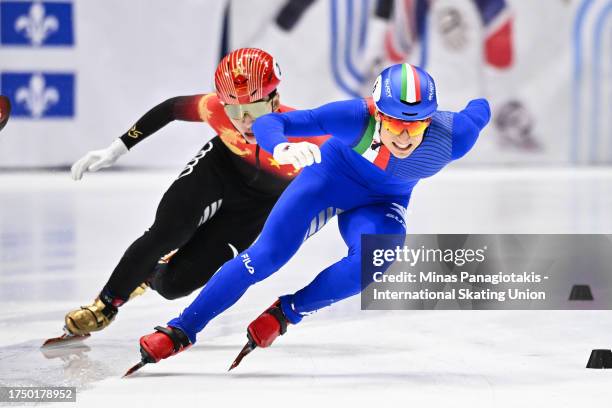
{"type": "Point", "coordinates": [352, 270]}
{"type": "Point", "coordinates": [169, 290]}
{"type": "Point", "coordinates": [261, 261]}
{"type": "Point", "coordinates": [262, 264]}
{"type": "Point", "coordinates": [172, 294]}
{"type": "Point", "coordinates": [167, 294]}
{"type": "Point", "coordinates": [163, 281]}
{"type": "Point", "coordinates": [179, 278]}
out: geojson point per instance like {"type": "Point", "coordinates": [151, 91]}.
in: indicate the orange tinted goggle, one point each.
{"type": "Point", "coordinates": [397, 126]}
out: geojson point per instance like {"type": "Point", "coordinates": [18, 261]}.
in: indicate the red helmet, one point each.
{"type": "Point", "coordinates": [246, 75]}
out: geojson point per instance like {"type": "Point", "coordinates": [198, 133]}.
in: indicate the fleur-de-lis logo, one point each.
{"type": "Point", "coordinates": [37, 98]}
{"type": "Point", "coordinates": [36, 26]}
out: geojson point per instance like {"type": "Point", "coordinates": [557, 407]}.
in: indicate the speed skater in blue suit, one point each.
{"type": "Point", "coordinates": [380, 147]}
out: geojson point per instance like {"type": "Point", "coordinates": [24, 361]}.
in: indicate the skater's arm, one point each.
{"type": "Point", "coordinates": [177, 108]}
{"type": "Point", "coordinates": [467, 125]}
{"type": "Point", "coordinates": [344, 120]}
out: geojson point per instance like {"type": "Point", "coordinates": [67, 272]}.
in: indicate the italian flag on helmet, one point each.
{"type": "Point", "coordinates": [405, 92]}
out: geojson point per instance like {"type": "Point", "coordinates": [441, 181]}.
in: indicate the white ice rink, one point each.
{"type": "Point", "coordinates": [59, 241]}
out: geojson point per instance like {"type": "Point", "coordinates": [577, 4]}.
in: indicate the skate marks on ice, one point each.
{"type": "Point", "coordinates": [393, 348]}
{"type": "Point", "coordinates": [73, 365]}
{"type": "Point", "coordinates": [477, 357]}
{"type": "Point", "coordinates": [301, 365]}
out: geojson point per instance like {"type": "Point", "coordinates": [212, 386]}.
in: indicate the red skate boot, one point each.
{"type": "Point", "coordinates": [163, 343]}
{"type": "Point", "coordinates": [264, 330]}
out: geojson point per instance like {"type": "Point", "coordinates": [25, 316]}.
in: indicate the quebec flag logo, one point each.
{"type": "Point", "coordinates": [37, 23]}
{"type": "Point", "coordinates": [39, 95]}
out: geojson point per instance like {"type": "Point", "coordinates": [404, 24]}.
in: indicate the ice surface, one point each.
{"type": "Point", "coordinates": [59, 240]}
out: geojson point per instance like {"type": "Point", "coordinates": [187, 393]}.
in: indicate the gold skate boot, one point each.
{"type": "Point", "coordinates": [97, 316]}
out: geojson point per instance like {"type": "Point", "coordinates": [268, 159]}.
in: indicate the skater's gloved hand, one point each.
{"type": "Point", "coordinates": [300, 154]}
{"type": "Point", "coordinates": [97, 159]}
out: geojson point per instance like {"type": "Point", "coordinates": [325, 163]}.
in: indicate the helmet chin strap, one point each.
{"type": "Point", "coordinates": [377, 130]}
{"type": "Point", "coordinates": [377, 139]}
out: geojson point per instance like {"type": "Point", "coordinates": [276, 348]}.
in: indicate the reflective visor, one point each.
{"type": "Point", "coordinates": [255, 109]}
{"type": "Point", "coordinates": [397, 126]}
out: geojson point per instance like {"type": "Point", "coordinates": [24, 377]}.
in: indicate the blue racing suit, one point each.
{"type": "Point", "coordinates": [358, 180]}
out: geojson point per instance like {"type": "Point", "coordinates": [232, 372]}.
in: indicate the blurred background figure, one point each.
{"type": "Point", "coordinates": [547, 62]}
{"type": "Point", "coordinates": [544, 65]}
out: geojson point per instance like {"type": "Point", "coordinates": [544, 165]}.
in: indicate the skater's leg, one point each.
{"type": "Point", "coordinates": [339, 281]}
{"type": "Point", "coordinates": [231, 231]}
{"type": "Point", "coordinates": [281, 237]}
{"type": "Point", "coordinates": [178, 216]}
{"type": "Point", "coordinates": [343, 279]}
